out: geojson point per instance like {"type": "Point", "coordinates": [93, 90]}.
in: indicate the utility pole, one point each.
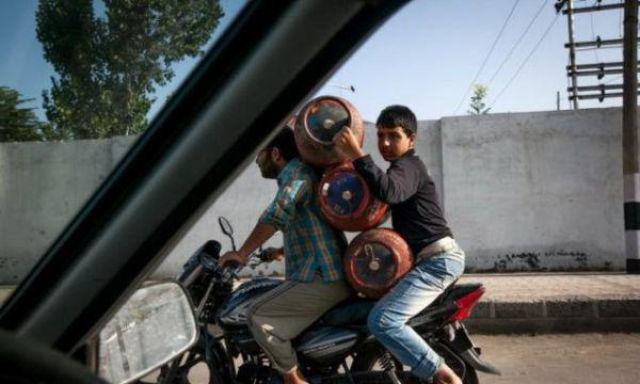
{"type": "Point", "coordinates": [572, 53]}
{"type": "Point", "coordinates": [630, 164]}
{"type": "Point", "coordinates": [558, 100]}
{"type": "Point", "coordinates": [598, 70]}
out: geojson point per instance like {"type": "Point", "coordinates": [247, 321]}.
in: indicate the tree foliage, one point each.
{"type": "Point", "coordinates": [109, 65]}
{"type": "Point", "coordinates": [478, 105]}
{"type": "Point", "coordinates": [17, 123]}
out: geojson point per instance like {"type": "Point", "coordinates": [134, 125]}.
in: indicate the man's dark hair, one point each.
{"type": "Point", "coordinates": [285, 141]}
{"type": "Point", "coordinates": [398, 116]}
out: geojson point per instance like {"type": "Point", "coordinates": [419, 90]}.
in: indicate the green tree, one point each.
{"type": "Point", "coordinates": [478, 105]}
{"type": "Point", "coordinates": [17, 123]}
{"type": "Point", "coordinates": [108, 66]}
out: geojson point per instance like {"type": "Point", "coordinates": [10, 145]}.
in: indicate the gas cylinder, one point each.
{"type": "Point", "coordinates": [376, 260]}
{"type": "Point", "coordinates": [346, 200]}
{"type": "Point", "coordinates": [318, 121]}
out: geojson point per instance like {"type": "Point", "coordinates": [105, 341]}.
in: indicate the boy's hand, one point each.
{"type": "Point", "coordinates": [347, 143]}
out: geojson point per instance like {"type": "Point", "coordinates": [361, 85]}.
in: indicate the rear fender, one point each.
{"type": "Point", "coordinates": [463, 346]}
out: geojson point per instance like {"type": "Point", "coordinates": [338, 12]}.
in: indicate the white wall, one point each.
{"type": "Point", "coordinates": [521, 191]}
{"type": "Point", "coordinates": [41, 186]}
{"type": "Point", "coordinates": [536, 190]}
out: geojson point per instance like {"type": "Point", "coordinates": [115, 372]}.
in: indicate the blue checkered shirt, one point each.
{"type": "Point", "coordinates": [311, 245]}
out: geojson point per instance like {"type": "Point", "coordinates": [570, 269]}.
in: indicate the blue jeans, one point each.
{"type": "Point", "coordinates": [419, 288]}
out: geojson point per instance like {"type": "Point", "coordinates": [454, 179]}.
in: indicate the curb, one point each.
{"type": "Point", "coordinates": [541, 316]}
{"type": "Point", "coordinates": [556, 316]}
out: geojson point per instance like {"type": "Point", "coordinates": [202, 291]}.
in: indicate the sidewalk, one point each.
{"type": "Point", "coordinates": [556, 302]}
{"type": "Point", "coordinates": [549, 303]}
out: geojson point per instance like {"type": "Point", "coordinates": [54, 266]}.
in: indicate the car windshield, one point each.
{"type": "Point", "coordinates": [79, 82]}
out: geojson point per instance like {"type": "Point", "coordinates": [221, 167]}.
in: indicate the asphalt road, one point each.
{"type": "Point", "coordinates": [552, 359]}
{"type": "Point", "coordinates": [567, 359]}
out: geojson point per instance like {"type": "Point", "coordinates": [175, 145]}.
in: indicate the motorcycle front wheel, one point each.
{"type": "Point", "coordinates": [370, 359]}
{"type": "Point", "coordinates": [193, 368]}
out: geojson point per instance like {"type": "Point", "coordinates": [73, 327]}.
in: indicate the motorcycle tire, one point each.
{"type": "Point", "coordinates": [369, 359]}
{"type": "Point", "coordinates": [187, 372]}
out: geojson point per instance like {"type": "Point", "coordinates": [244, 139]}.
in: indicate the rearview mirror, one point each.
{"type": "Point", "coordinates": [227, 229]}
{"type": "Point", "coordinates": [155, 326]}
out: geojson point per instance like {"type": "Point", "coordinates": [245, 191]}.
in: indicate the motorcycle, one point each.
{"type": "Point", "coordinates": [337, 348]}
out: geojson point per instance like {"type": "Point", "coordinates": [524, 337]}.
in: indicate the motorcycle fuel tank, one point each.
{"type": "Point", "coordinates": [235, 311]}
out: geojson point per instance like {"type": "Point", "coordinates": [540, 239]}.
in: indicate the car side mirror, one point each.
{"type": "Point", "coordinates": [156, 325]}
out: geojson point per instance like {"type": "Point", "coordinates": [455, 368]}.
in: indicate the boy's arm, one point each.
{"type": "Point", "coordinates": [393, 187]}
{"type": "Point", "coordinates": [397, 185]}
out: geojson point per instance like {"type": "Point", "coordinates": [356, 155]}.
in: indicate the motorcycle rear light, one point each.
{"type": "Point", "coordinates": [466, 303]}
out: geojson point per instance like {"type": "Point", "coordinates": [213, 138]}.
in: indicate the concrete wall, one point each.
{"type": "Point", "coordinates": [524, 191]}
{"type": "Point", "coordinates": [536, 190]}
{"type": "Point", "coordinates": [41, 186]}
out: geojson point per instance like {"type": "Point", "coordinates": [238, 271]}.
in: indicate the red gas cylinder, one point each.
{"type": "Point", "coordinates": [375, 261]}
{"type": "Point", "coordinates": [346, 201]}
{"type": "Point", "coordinates": [318, 121]}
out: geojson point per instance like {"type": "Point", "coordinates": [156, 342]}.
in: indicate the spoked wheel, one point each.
{"type": "Point", "coordinates": [372, 360]}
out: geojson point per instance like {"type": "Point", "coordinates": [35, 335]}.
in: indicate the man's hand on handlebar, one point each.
{"type": "Point", "coordinates": [232, 259]}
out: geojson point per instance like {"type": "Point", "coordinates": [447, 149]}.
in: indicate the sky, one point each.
{"type": "Point", "coordinates": [425, 57]}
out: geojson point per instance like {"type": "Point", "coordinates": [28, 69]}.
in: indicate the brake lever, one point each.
{"type": "Point", "coordinates": [231, 271]}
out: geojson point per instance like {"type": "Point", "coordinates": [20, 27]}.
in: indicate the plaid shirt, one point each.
{"type": "Point", "coordinates": [311, 245]}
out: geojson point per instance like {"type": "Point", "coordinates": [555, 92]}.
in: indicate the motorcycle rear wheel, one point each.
{"type": "Point", "coordinates": [370, 360]}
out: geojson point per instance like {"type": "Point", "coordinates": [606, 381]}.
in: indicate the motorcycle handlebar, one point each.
{"type": "Point", "coordinates": [231, 268]}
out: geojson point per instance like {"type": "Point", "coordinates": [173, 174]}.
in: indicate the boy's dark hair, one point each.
{"type": "Point", "coordinates": [285, 141]}
{"type": "Point", "coordinates": [398, 116]}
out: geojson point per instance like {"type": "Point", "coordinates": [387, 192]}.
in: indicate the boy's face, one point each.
{"type": "Point", "coordinates": [394, 142]}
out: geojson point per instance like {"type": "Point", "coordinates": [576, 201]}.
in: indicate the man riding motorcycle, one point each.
{"type": "Point", "coordinates": [312, 251]}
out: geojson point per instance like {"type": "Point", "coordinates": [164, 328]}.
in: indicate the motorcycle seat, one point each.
{"type": "Point", "coordinates": [349, 313]}
{"type": "Point", "coordinates": [353, 312]}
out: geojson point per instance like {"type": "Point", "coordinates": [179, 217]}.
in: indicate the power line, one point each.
{"type": "Point", "coordinates": [546, 32]}
{"type": "Point", "coordinates": [504, 25]}
{"type": "Point", "coordinates": [518, 42]}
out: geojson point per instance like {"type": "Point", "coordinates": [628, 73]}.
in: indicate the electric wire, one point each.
{"type": "Point", "coordinates": [504, 25]}
{"type": "Point", "coordinates": [605, 47]}
{"type": "Point", "coordinates": [544, 35]}
{"type": "Point", "coordinates": [535, 17]}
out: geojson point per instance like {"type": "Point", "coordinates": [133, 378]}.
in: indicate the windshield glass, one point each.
{"type": "Point", "coordinates": [80, 80]}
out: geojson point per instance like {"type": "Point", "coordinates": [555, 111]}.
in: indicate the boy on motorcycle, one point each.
{"type": "Point", "coordinates": [416, 215]}
{"type": "Point", "coordinates": [312, 252]}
